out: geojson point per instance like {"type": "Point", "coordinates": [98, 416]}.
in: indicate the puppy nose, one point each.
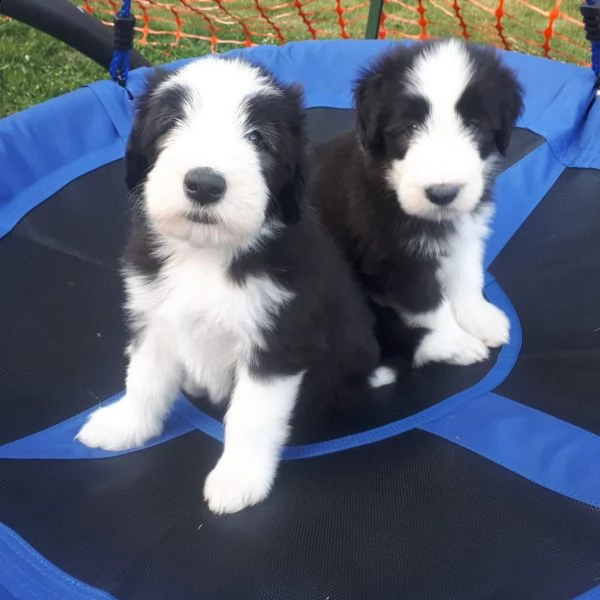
{"type": "Point", "coordinates": [442, 194]}
{"type": "Point", "coordinates": [204, 185]}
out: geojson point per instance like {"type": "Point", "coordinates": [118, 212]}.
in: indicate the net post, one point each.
{"type": "Point", "coordinates": [374, 19]}
{"type": "Point", "coordinates": [590, 12]}
{"type": "Point", "coordinates": [124, 31]}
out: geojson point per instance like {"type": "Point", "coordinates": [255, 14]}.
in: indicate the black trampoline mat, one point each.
{"type": "Point", "coordinates": [405, 518]}
{"type": "Point", "coordinates": [62, 331]}
{"type": "Point", "coordinates": [63, 344]}
{"type": "Point", "coordinates": [551, 272]}
{"type": "Point", "coordinates": [413, 516]}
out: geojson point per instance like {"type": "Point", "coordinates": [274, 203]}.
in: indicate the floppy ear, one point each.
{"type": "Point", "coordinates": [511, 108]}
{"type": "Point", "coordinates": [291, 195]}
{"type": "Point", "coordinates": [144, 129]}
{"type": "Point", "coordinates": [136, 162]}
{"type": "Point", "coordinates": [367, 98]}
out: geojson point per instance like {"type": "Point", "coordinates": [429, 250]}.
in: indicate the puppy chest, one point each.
{"type": "Point", "coordinates": [204, 305]}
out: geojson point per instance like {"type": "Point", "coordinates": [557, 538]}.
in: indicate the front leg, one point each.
{"type": "Point", "coordinates": [416, 294]}
{"type": "Point", "coordinates": [462, 277]}
{"type": "Point", "coordinates": [153, 379]}
{"type": "Point", "coordinates": [444, 341]}
{"type": "Point", "coordinates": [256, 428]}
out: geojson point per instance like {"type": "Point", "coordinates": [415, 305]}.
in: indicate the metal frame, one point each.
{"type": "Point", "coordinates": [71, 25]}
{"type": "Point", "coordinates": [374, 19]}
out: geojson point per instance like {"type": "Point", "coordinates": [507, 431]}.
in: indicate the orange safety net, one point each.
{"type": "Point", "coordinates": [551, 28]}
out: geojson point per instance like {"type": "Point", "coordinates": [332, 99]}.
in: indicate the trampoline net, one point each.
{"type": "Point", "coordinates": [550, 28]}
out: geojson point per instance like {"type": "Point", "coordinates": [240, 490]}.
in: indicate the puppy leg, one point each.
{"type": "Point", "coordinates": [153, 379]}
{"type": "Point", "coordinates": [256, 428]}
{"type": "Point", "coordinates": [445, 341]}
{"type": "Point", "coordinates": [417, 296]}
{"type": "Point", "coordinates": [462, 277]}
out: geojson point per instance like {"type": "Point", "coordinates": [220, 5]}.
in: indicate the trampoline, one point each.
{"type": "Point", "coordinates": [457, 483]}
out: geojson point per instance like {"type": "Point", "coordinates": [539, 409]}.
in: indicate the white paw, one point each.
{"type": "Point", "coordinates": [233, 485]}
{"type": "Point", "coordinates": [452, 346]}
{"type": "Point", "coordinates": [486, 322]}
{"type": "Point", "coordinates": [382, 376]}
{"type": "Point", "coordinates": [117, 427]}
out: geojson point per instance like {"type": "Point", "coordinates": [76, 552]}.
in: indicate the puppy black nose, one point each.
{"type": "Point", "coordinates": [204, 185]}
{"type": "Point", "coordinates": [442, 194]}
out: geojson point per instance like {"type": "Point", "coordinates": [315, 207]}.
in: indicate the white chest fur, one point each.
{"type": "Point", "coordinates": [209, 321]}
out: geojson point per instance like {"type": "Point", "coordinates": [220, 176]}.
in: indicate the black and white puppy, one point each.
{"type": "Point", "coordinates": [231, 286]}
{"type": "Point", "coordinates": [409, 199]}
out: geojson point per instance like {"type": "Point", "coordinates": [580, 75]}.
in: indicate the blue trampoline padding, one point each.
{"type": "Point", "coordinates": [593, 594]}
{"type": "Point", "coordinates": [44, 148]}
{"type": "Point", "coordinates": [57, 442]}
{"type": "Point", "coordinates": [556, 94]}
{"type": "Point", "coordinates": [47, 146]}
{"type": "Point", "coordinates": [518, 191]}
{"type": "Point", "coordinates": [546, 450]}
{"type": "Point", "coordinates": [5, 594]}
{"type": "Point", "coordinates": [27, 575]}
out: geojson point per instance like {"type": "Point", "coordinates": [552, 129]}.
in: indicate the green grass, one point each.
{"type": "Point", "coordinates": [35, 67]}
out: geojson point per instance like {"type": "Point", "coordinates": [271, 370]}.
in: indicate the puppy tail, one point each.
{"type": "Point", "coordinates": [382, 376]}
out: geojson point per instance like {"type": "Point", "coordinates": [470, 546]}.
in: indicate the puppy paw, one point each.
{"type": "Point", "coordinates": [117, 427]}
{"type": "Point", "coordinates": [233, 485]}
{"type": "Point", "coordinates": [486, 322]}
{"type": "Point", "coordinates": [452, 346]}
{"type": "Point", "coordinates": [382, 376]}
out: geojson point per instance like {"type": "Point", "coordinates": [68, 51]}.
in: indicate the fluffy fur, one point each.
{"type": "Point", "coordinates": [408, 196]}
{"type": "Point", "coordinates": [232, 289]}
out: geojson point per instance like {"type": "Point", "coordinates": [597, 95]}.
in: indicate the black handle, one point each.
{"type": "Point", "coordinates": [71, 25]}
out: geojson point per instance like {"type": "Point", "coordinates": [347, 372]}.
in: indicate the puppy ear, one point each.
{"type": "Point", "coordinates": [295, 94]}
{"type": "Point", "coordinates": [367, 98]}
{"type": "Point", "coordinates": [143, 131]}
{"type": "Point", "coordinates": [136, 162]}
{"type": "Point", "coordinates": [511, 108]}
{"type": "Point", "coordinates": [291, 195]}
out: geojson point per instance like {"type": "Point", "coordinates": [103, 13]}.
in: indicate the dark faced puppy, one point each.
{"type": "Point", "coordinates": [232, 289]}
{"type": "Point", "coordinates": [408, 195]}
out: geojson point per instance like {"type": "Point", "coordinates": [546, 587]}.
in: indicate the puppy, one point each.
{"type": "Point", "coordinates": [408, 197]}
{"type": "Point", "coordinates": [231, 286]}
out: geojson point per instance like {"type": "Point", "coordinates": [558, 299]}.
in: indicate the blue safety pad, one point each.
{"type": "Point", "coordinates": [26, 575]}
{"type": "Point", "coordinates": [49, 145]}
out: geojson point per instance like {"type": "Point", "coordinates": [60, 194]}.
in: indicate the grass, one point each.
{"type": "Point", "coordinates": [35, 67]}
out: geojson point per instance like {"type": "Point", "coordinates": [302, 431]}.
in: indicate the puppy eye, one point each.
{"type": "Point", "coordinates": [255, 138]}
{"type": "Point", "coordinates": [410, 128]}
{"type": "Point", "coordinates": [473, 126]}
